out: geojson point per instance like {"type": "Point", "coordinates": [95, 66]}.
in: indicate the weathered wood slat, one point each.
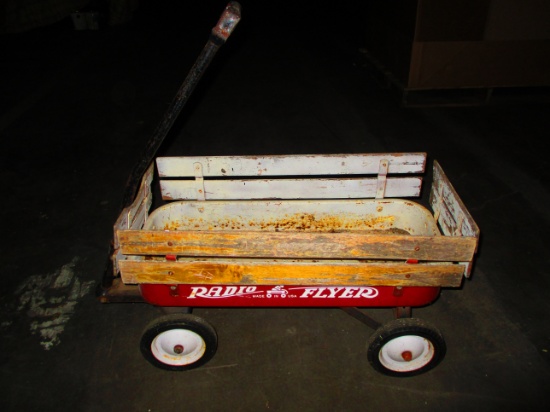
{"type": "Point", "coordinates": [301, 245]}
{"type": "Point", "coordinates": [445, 218]}
{"type": "Point", "coordinates": [290, 165]}
{"type": "Point", "coordinates": [289, 188]}
{"type": "Point", "coordinates": [257, 272]}
{"type": "Point", "coordinates": [453, 216]}
{"type": "Point", "coordinates": [134, 216]}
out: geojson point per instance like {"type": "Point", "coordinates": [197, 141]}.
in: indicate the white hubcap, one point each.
{"type": "Point", "coordinates": [178, 347]}
{"type": "Point", "coordinates": [406, 353]}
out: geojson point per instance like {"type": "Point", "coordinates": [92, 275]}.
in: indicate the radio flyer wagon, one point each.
{"type": "Point", "coordinates": [335, 230]}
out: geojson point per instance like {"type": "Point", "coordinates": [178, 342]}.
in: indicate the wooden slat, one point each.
{"type": "Point", "coordinates": [445, 218]}
{"type": "Point", "coordinates": [133, 216]}
{"type": "Point", "coordinates": [299, 245]}
{"type": "Point", "coordinates": [259, 272]}
{"type": "Point", "coordinates": [452, 214]}
{"type": "Point", "coordinates": [290, 189]}
{"type": "Point", "coordinates": [290, 165]}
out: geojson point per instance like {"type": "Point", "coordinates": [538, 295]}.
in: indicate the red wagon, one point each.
{"type": "Point", "coordinates": [308, 231]}
{"type": "Point", "coordinates": [289, 230]}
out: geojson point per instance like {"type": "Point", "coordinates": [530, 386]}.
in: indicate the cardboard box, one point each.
{"type": "Point", "coordinates": [438, 44]}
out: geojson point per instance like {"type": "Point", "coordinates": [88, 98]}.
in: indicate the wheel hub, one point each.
{"type": "Point", "coordinates": [407, 355]}
{"type": "Point", "coordinates": [178, 347]}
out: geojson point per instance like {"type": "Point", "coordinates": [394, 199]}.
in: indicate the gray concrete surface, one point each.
{"type": "Point", "coordinates": [77, 109]}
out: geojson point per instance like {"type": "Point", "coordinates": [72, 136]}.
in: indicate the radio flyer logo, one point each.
{"type": "Point", "coordinates": [281, 292]}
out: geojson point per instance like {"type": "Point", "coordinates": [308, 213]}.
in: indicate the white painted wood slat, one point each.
{"type": "Point", "coordinates": [290, 188]}
{"type": "Point", "coordinates": [291, 165]}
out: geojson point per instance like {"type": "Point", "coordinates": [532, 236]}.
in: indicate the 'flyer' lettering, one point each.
{"type": "Point", "coordinates": [344, 292]}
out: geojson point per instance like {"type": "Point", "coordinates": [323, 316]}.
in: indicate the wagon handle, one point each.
{"type": "Point", "coordinates": [223, 29]}
{"type": "Point", "coordinates": [219, 34]}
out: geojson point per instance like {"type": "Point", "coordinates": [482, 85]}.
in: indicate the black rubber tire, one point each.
{"type": "Point", "coordinates": [185, 322]}
{"type": "Point", "coordinates": [431, 337]}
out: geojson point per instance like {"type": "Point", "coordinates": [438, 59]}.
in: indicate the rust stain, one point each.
{"type": "Point", "coordinates": [296, 222]}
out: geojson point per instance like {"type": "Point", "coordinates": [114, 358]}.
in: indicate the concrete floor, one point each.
{"type": "Point", "coordinates": [77, 109]}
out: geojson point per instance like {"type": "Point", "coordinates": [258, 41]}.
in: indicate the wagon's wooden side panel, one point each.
{"type": "Point", "coordinates": [450, 212]}
{"type": "Point", "coordinates": [291, 177]}
{"type": "Point", "coordinates": [135, 215]}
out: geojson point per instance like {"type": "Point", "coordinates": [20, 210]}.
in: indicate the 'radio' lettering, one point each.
{"type": "Point", "coordinates": [213, 292]}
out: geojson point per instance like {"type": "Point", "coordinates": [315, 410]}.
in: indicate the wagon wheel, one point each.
{"type": "Point", "coordinates": [406, 347]}
{"type": "Point", "coordinates": [179, 342]}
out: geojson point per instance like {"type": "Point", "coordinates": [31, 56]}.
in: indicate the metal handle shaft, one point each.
{"type": "Point", "coordinates": [225, 26]}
